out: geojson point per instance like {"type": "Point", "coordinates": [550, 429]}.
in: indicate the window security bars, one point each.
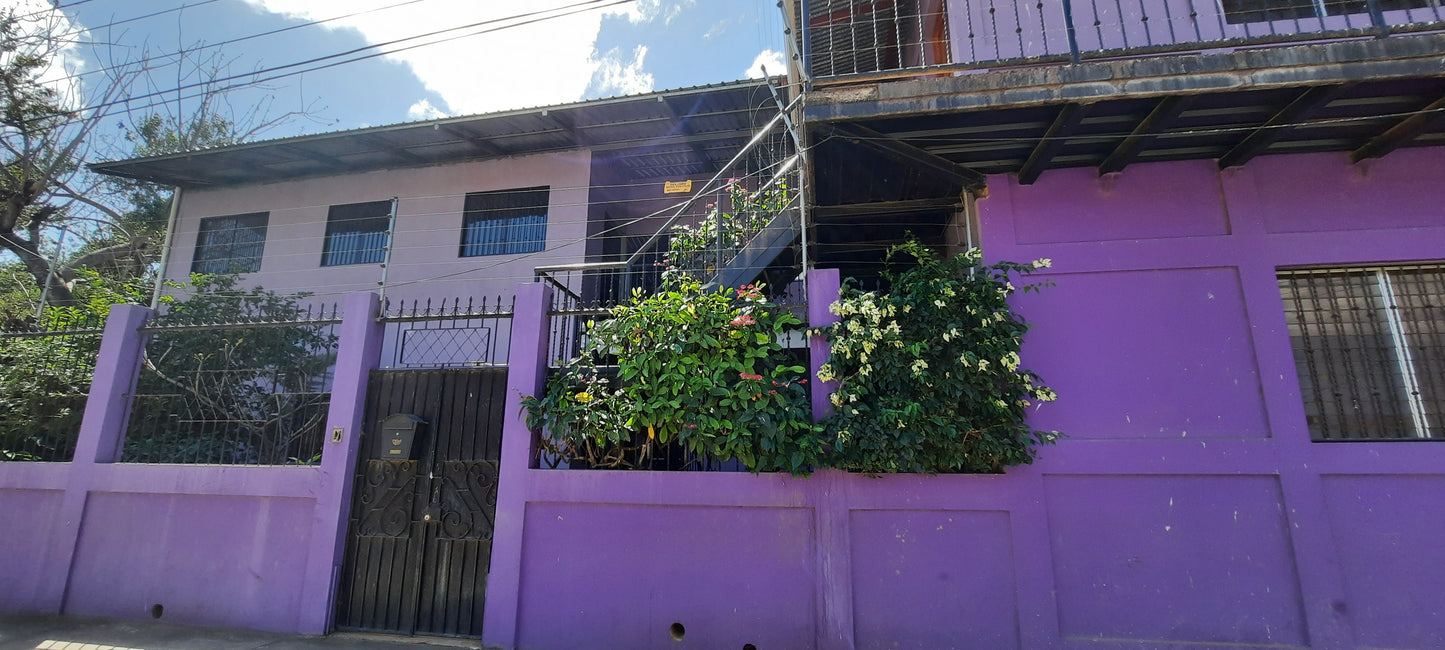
{"type": "Point", "coordinates": [1369, 346]}
{"type": "Point", "coordinates": [232, 244]}
{"type": "Point", "coordinates": [254, 391]}
{"type": "Point", "coordinates": [45, 376]}
{"type": "Point", "coordinates": [456, 333]}
{"type": "Point", "coordinates": [853, 37]}
{"type": "Point", "coordinates": [356, 233]}
{"type": "Point", "coordinates": [507, 222]}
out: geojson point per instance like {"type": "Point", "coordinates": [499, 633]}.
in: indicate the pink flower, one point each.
{"type": "Point", "coordinates": [752, 377]}
{"type": "Point", "coordinates": [743, 320]}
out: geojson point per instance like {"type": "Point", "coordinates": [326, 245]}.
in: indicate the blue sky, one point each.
{"type": "Point", "coordinates": [624, 48]}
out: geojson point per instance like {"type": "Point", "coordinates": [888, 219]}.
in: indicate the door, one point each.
{"type": "Point", "coordinates": [419, 542]}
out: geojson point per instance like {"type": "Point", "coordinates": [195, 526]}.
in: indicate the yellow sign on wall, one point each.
{"type": "Point", "coordinates": [677, 187]}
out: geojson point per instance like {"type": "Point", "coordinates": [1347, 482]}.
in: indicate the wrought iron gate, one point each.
{"type": "Point", "coordinates": [419, 542]}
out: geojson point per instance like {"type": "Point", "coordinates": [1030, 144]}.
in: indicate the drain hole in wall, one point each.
{"type": "Point", "coordinates": [157, 610]}
{"type": "Point", "coordinates": [677, 631]}
{"type": "Point", "coordinates": [749, 646]}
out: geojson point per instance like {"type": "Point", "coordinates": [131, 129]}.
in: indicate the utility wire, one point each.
{"type": "Point", "coordinates": [181, 53]}
{"type": "Point", "coordinates": [254, 78]}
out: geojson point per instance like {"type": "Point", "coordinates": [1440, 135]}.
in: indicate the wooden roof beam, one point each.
{"type": "Point", "coordinates": [482, 145]}
{"type": "Point", "coordinates": [317, 156]}
{"type": "Point", "coordinates": [684, 126]}
{"type": "Point", "coordinates": [392, 149]}
{"type": "Point", "coordinates": [1402, 133]}
{"type": "Point", "coordinates": [1164, 114]}
{"type": "Point", "coordinates": [885, 207]}
{"type": "Point", "coordinates": [568, 125]}
{"type": "Point", "coordinates": [1296, 111]}
{"type": "Point", "coordinates": [904, 152]}
{"type": "Point", "coordinates": [1067, 120]}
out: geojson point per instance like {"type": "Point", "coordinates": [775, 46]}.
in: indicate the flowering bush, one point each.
{"type": "Point", "coordinates": [929, 375]}
{"type": "Point", "coordinates": [696, 369]}
{"type": "Point", "coordinates": [700, 248]}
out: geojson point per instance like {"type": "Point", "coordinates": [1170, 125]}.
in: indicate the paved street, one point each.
{"type": "Point", "coordinates": [46, 632]}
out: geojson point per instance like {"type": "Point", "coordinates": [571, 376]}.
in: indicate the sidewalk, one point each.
{"type": "Point", "coordinates": [50, 632]}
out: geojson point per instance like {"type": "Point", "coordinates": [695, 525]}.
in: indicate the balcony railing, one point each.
{"type": "Point", "coordinates": [851, 39]}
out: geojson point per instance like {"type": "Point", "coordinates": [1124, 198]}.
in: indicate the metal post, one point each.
{"type": "Point", "coordinates": [386, 251]}
{"type": "Point", "coordinates": [166, 249]}
{"type": "Point", "coordinates": [50, 275]}
{"type": "Point", "coordinates": [1377, 17]}
{"type": "Point", "coordinates": [795, 130]}
{"type": "Point", "coordinates": [1069, 29]}
{"type": "Point", "coordinates": [807, 47]}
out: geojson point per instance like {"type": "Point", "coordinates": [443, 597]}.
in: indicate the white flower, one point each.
{"type": "Point", "coordinates": [1043, 263]}
{"type": "Point", "coordinates": [919, 366]}
{"type": "Point", "coordinates": [940, 304]}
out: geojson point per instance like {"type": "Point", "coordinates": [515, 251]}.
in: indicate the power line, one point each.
{"type": "Point", "coordinates": [532, 16]}
{"type": "Point", "coordinates": [181, 53]}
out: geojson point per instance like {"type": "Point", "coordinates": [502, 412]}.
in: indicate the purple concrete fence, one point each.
{"type": "Point", "coordinates": [252, 547]}
{"type": "Point", "coordinates": [1187, 508]}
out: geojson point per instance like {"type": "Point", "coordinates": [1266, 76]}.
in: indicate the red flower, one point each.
{"type": "Point", "coordinates": [745, 319]}
{"type": "Point", "coordinates": [752, 377]}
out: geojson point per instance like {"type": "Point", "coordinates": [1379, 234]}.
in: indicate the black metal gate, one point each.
{"type": "Point", "coordinates": [419, 542]}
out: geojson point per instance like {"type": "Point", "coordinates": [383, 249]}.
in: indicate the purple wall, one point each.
{"type": "Point", "coordinates": [250, 547]}
{"type": "Point", "coordinates": [1187, 507]}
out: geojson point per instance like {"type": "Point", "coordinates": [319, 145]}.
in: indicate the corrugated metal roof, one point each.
{"type": "Point", "coordinates": [680, 124]}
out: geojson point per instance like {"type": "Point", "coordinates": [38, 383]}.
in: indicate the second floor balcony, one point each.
{"type": "Point", "coordinates": [844, 40]}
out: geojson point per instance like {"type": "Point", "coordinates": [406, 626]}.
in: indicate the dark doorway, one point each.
{"type": "Point", "coordinates": [419, 543]}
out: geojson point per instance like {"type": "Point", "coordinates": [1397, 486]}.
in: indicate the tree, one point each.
{"type": "Point", "coordinates": [49, 130]}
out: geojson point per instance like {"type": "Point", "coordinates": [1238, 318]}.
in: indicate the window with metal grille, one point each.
{"type": "Point", "coordinates": [230, 244]}
{"type": "Point", "coordinates": [1369, 345]}
{"type": "Point", "coordinates": [356, 233]}
{"type": "Point", "coordinates": [860, 36]}
{"type": "Point", "coordinates": [1253, 11]}
{"type": "Point", "coordinates": [506, 222]}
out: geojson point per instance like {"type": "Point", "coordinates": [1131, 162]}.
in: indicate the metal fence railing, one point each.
{"type": "Point", "coordinates": [853, 38]}
{"type": "Point", "coordinates": [252, 390]}
{"type": "Point", "coordinates": [45, 375]}
{"type": "Point", "coordinates": [454, 333]}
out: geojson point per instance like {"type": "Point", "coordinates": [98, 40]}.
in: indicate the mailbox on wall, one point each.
{"type": "Point", "coordinates": [402, 437]}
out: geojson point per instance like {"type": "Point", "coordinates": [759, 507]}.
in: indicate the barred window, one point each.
{"type": "Point", "coordinates": [230, 244]}
{"type": "Point", "coordinates": [356, 233]}
{"type": "Point", "coordinates": [505, 222]}
{"type": "Point", "coordinates": [1369, 346]}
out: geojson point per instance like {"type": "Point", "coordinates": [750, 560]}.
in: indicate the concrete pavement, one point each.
{"type": "Point", "coordinates": [50, 632]}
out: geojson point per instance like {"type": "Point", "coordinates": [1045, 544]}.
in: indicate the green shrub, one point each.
{"type": "Point", "coordinates": [929, 375]}
{"type": "Point", "coordinates": [698, 369]}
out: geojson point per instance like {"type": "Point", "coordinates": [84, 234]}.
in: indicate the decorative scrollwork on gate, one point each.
{"type": "Point", "coordinates": [388, 498]}
{"type": "Point", "coordinates": [468, 499]}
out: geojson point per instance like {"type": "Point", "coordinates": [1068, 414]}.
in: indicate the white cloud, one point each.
{"type": "Point", "coordinates": [618, 76]}
{"type": "Point", "coordinates": [771, 59]}
{"type": "Point", "coordinates": [38, 17]}
{"type": "Point", "coordinates": [423, 110]}
{"type": "Point", "coordinates": [546, 62]}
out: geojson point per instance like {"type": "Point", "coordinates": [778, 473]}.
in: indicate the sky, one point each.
{"type": "Point", "coordinates": [475, 59]}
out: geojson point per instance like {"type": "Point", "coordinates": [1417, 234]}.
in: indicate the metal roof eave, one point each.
{"type": "Point", "coordinates": [391, 146]}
